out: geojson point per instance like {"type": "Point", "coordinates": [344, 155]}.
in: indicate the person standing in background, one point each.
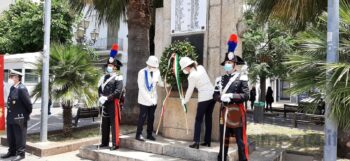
{"type": "Point", "coordinates": [269, 99]}
{"type": "Point", "coordinates": [252, 96]}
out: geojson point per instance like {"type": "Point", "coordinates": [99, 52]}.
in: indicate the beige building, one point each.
{"type": "Point", "coordinates": [207, 24]}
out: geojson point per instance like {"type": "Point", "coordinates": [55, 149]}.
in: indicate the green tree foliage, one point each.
{"type": "Point", "coordinates": [183, 48]}
{"type": "Point", "coordinates": [21, 27]}
{"type": "Point", "coordinates": [308, 66]}
{"type": "Point", "coordinates": [308, 71]}
{"type": "Point", "coordinates": [265, 48]}
{"type": "Point", "coordinates": [72, 77]}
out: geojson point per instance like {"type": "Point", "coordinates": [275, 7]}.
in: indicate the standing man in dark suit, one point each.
{"type": "Point", "coordinates": [19, 107]}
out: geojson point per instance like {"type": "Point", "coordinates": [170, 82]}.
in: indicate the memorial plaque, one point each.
{"type": "Point", "coordinates": [188, 16]}
{"type": "Point", "coordinates": [197, 40]}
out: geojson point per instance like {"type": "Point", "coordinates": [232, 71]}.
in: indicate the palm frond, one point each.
{"type": "Point", "coordinates": [296, 13]}
{"type": "Point", "coordinates": [72, 75]}
{"type": "Point", "coordinates": [110, 11]}
{"type": "Point", "coordinates": [308, 69]}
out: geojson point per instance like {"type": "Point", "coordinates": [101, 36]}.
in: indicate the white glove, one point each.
{"type": "Point", "coordinates": [102, 100]}
{"type": "Point", "coordinates": [154, 101]}
{"type": "Point", "coordinates": [183, 103]}
{"type": "Point", "coordinates": [226, 97]}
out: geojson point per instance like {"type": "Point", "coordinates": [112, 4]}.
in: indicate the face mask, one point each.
{"type": "Point", "coordinates": [228, 67]}
{"type": "Point", "coordinates": [152, 69]}
{"type": "Point", "coordinates": [109, 69]}
{"type": "Point", "coordinates": [185, 71]}
{"type": "Point", "coordinates": [11, 82]}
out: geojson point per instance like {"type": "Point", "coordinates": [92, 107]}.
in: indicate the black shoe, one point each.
{"type": "Point", "coordinates": [114, 147]}
{"type": "Point", "coordinates": [18, 157]}
{"type": "Point", "coordinates": [140, 138]}
{"type": "Point", "coordinates": [151, 138]}
{"type": "Point", "coordinates": [8, 155]}
{"type": "Point", "coordinates": [194, 145]}
{"type": "Point", "coordinates": [220, 158]}
{"type": "Point", "coordinates": [102, 145]}
{"type": "Point", "coordinates": [205, 144]}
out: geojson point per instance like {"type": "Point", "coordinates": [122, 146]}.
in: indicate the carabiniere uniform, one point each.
{"type": "Point", "coordinates": [113, 90]}
{"type": "Point", "coordinates": [232, 116]}
{"type": "Point", "coordinates": [19, 107]}
{"type": "Point", "coordinates": [235, 123]}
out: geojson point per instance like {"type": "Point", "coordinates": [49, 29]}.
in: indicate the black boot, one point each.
{"type": "Point", "coordinates": [18, 157]}
{"type": "Point", "coordinates": [140, 138]}
{"type": "Point", "coordinates": [150, 137]}
{"type": "Point", "coordinates": [102, 145]}
{"type": "Point", "coordinates": [194, 145]}
{"type": "Point", "coordinates": [114, 147]}
{"type": "Point", "coordinates": [8, 155]}
{"type": "Point", "coordinates": [220, 158]}
{"type": "Point", "coordinates": [205, 144]}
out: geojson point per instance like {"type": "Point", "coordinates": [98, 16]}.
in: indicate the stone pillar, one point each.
{"type": "Point", "coordinates": [222, 19]}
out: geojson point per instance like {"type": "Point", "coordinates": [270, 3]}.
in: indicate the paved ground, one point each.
{"type": "Point", "coordinates": [55, 120]}
{"type": "Point", "coordinates": [55, 123]}
{"type": "Point", "coordinates": [281, 121]}
{"type": "Point", "coordinates": [71, 156]}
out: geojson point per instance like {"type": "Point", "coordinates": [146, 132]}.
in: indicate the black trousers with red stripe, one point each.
{"type": "Point", "coordinates": [238, 134]}
{"type": "Point", "coordinates": [108, 124]}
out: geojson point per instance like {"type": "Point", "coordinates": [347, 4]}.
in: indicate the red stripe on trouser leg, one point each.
{"type": "Point", "coordinates": [245, 139]}
{"type": "Point", "coordinates": [116, 120]}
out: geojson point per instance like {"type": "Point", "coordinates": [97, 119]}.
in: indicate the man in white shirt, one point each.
{"type": "Point", "coordinates": [148, 79]}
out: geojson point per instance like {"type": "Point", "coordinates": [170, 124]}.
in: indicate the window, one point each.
{"type": "Point", "coordinates": [284, 87]}
{"type": "Point", "coordinates": [6, 75]}
{"type": "Point", "coordinates": [31, 76]}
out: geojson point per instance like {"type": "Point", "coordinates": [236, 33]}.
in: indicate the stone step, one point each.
{"type": "Point", "coordinates": [92, 153]}
{"type": "Point", "coordinates": [267, 154]}
{"type": "Point", "coordinates": [177, 148]}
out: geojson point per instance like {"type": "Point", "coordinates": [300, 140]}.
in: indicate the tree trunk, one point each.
{"type": "Point", "coordinates": [67, 119]}
{"type": "Point", "coordinates": [262, 97]}
{"type": "Point", "coordinates": [138, 39]}
{"type": "Point", "coordinates": [343, 144]}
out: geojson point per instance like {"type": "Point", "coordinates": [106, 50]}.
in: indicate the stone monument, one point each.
{"type": "Point", "coordinates": [207, 24]}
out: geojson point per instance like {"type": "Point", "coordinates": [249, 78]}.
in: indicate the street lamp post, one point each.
{"type": "Point", "coordinates": [331, 127]}
{"type": "Point", "coordinates": [80, 34]}
{"type": "Point", "coordinates": [45, 72]}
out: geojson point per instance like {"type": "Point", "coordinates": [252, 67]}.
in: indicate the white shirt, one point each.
{"type": "Point", "coordinates": [146, 97]}
{"type": "Point", "coordinates": [199, 79]}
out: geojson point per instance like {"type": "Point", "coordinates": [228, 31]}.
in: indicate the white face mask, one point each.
{"type": "Point", "coordinates": [185, 71]}
{"type": "Point", "coordinates": [109, 69]}
{"type": "Point", "coordinates": [151, 69]}
{"type": "Point", "coordinates": [228, 67]}
{"type": "Point", "coordinates": [11, 82]}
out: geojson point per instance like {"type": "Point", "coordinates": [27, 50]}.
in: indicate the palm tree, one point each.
{"type": "Point", "coordinates": [296, 13]}
{"type": "Point", "coordinates": [138, 15]}
{"type": "Point", "coordinates": [308, 72]}
{"type": "Point", "coordinates": [72, 77]}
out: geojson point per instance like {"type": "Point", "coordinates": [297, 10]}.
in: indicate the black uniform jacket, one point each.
{"type": "Point", "coordinates": [113, 89]}
{"type": "Point", "coordinates": [239, 87]}
{"type": "Point", "coordinates": [18, 103]}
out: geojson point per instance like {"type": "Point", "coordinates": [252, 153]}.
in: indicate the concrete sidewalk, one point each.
{"type": "Point", "coordinates": [71, 156]}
